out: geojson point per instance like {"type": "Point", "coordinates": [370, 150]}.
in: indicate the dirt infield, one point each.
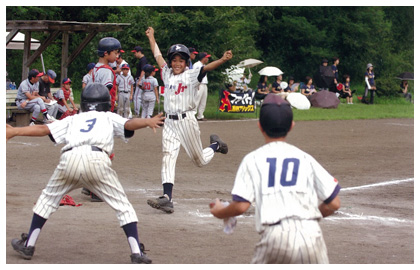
{"type": "Point", "coordinates": [372, 159]}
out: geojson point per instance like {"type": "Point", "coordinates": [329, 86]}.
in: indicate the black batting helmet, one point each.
{"type": "Point", "coordinates": [95, 97]}
{"type": "Point", "coordinates": [108, 44]}
{"type": "Point", "coordinates": [180, 49]}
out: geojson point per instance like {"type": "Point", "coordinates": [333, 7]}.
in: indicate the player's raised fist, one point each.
{"type": "Point", "coordinates": [227, 55]}
{"type": "Point", "coordinates": [150, 31]}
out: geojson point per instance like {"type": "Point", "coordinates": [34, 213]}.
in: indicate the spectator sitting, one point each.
{"type": "Point", "coordinates": [231, 87]}
{"type": "Point", "coordinates": [404, 90]}
{"type": "Point", "coordinates": [308, 88]}
{"type": "Point", "coordinates": [292, 86]}
{"type": "Point", "coordinates": [262, 89]}
{"type": "Point", "coordinates": [276, 88]}
{"type": "Point", "coordinates": [242, 84]}
{"type": "Point", "coordinates": [62, 96]}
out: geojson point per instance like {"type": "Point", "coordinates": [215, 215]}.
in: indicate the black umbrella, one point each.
{"type": "Point", "coordinates": [405, 76]}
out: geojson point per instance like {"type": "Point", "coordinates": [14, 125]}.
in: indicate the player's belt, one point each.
{"type": "Point", "coordinates": [177, 117]}
{"type": "Point", "coordinates": [94, 148]}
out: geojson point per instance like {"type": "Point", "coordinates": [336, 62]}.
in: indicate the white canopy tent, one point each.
{"type": "Point", "coordinates": [18, 41]}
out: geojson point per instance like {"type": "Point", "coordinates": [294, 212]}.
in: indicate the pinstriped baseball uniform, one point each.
{"type": "Point", "coordinates": [180, 91]}
{"type": "Point", "coordinates": [81, 165]}
{"type": "Point", "coordinates": [285, 183]}
{"type": "Point", "coordinates": [124, 89]}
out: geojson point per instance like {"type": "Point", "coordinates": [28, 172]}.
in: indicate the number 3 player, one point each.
{"type": "Point", "coordinates": [286, 185]}
{"type": "Point", "coordinates": [84, 162]}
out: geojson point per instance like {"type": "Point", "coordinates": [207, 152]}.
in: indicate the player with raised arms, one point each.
{"type": "Point", "coordinates": [181, 126]}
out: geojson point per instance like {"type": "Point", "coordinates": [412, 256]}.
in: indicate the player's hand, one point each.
{"type": "Point", "coordinates": [156, 121]}
{"type": "Point", "coordinates": [150, 32]}
{"type": "Point", "coordinates": [23, 104]}
{"type": "Point", "coordinates": [215, 207]}
{"type": "Point", "coordinates": [227, 56]}
{"type": "Point", "coordinates": [9, 132]}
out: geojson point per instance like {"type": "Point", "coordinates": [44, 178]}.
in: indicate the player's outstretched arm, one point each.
{"type": "Point", "coordinates": [150, 33]}
{"type": "Point", "coordinates": [215, 64]}
{"type": "Point", "coordinates": [138, 123]}
{"type": "Point", "coordinates": [233, 209]}
{"type": "Point", "coordinates": [34, 131]}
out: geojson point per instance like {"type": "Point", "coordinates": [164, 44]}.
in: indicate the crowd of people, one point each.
{"type": "Point", "coordinates": [307, 87]}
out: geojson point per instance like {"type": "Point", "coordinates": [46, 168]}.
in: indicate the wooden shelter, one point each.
{"type": "Point", "coordinates": [54, 30]}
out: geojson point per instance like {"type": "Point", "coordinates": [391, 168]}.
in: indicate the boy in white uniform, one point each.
{"type": "Point", "coordinates": [286, 185]}
{"type": "Point", "coordinates": [181, 126]}
{"type": "Point", "coordinates": [125, 87]}
{"type": "Point", "coordinates": [88, 138]}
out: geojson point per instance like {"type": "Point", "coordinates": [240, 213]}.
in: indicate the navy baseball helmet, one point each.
{"type": "Point", "coordinates": [179, 49]}
{"type": "Point", "coordinates": [95, 97]}
{"type": "Point", "coordinates": [108, 44]}
{"type": "Point", "coordinates": [148, 68]}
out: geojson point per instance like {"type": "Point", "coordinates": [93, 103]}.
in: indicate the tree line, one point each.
{"type": "Point", "coordinates": [294, 39]}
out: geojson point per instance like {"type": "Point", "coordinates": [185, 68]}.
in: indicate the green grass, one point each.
{"type": "Point", "coordinates": [383, 108]}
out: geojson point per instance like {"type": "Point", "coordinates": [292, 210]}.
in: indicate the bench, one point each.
{"type": "Point", "coordinates": [21, 117]}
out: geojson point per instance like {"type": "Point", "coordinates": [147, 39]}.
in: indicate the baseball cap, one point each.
{"type": "Point", "coordinates": [192, 50]}
{"type": "Point", "coordinates": [66, 80]}
{"type": "Point", "coordinates": [125, 66]}
{"type": "Point", "coordinates": [156, 69]}
{"type": "Point", "coordinates": [90, 66]}
{"type": "Point", "coordinates": [35, 73]}
{"type": "Point", "coordinates": [203, 55]}
{"type": "Point", "coordinates": [122, 51]}
{"type": "Point", "coordinates": [137, 49]}
{"type": "Point", "coordinates": [51, 75]}
{"type": "Point", "coordinates": [148, 68]}
{"type": "Point", "coordinates": [276, 116]}
{"type": "Point", "coordinates": [324, 60]}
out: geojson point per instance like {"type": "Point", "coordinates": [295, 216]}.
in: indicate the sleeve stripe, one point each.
{"type": "Point", "coordinates": [333, 195]}
{"type": "Point", "coordinates": [237, 198]}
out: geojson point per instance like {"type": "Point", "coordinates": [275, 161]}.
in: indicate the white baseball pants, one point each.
{"type": "Point", "coordinates": [185, 132]}
{"type": "Point", "coordinates": [82, 167]}
{"type": "Point", "coordinates": [292, 241]}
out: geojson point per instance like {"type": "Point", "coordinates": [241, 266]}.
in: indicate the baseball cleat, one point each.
{"type": "Point", "coordinates": [19, 246]}
{"type": "Point", "coordinates": [223, 148]}
{"type": "Point", "coordinates": [140, 258]}
{"type": "Point", "coordinates": [86, 191]}
{"type": "Point", "coordinates": [162, 203]}
{"type": "Point", "coordinates": [95, 198]}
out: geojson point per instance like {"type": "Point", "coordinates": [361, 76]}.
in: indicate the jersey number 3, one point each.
{"type": "Point", "coordinates": [286, 179]}
{"type": "Point", "coordinates": [90, 124]}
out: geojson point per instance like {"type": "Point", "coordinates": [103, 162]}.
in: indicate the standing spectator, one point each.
{"type": "Point", "coordinates": [201, 97]}
{"type": "Point", "coordinates": [347, 93]}
{"type": "Point", "coordinates": [88, 76]}
{"type": "Point", "coordinates": [27, 98]}
{"type": "Point", "coordinates": [334, 68]}
{"type": "Point", "coordinates": [193, 54]}
{"type": "Point", "coordinates": [404, 90]}
{"type": "Point", "coordinates": [323, 71]}
{"type": "Point", "coordinates": [262, 88]}
{"type": "Point", "coordinates": [308, 88]}
{"type": "Point", "coordinates": [62, 96]}
{"type": "Point", "coordinates": [142, 61]}
{"type": "Point", "coordinates": [149, 85]}
{"type": "Point", "coordinates": [370, 84]}
{"type": "Point", "coordinates": [45, 92]}
{"type": "Point", "coordinates": [292, 192]}
{"type": "Point", "coordinates": [125, 84]}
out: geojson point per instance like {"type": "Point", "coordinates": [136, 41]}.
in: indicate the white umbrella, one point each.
{"type": "Point", "coordinates": [298, 101]}
{"type": "Point", "coordinates": [270, 71]}
{"type": "Point", "coordinates": [249, 63]}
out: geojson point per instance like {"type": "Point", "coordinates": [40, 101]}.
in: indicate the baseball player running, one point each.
{"type": "Point", "coordinates": [88, 137]}
{"type": "Point", "coordinates": [285, 183]}
{"type": "Point", "coordinates": [181, 126]}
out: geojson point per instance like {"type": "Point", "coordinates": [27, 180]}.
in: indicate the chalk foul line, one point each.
{"type": "Point", "coordinates": [387, 183]}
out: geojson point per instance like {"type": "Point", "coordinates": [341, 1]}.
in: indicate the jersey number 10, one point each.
{"type": "Point", "coordinates": [284, 181]}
